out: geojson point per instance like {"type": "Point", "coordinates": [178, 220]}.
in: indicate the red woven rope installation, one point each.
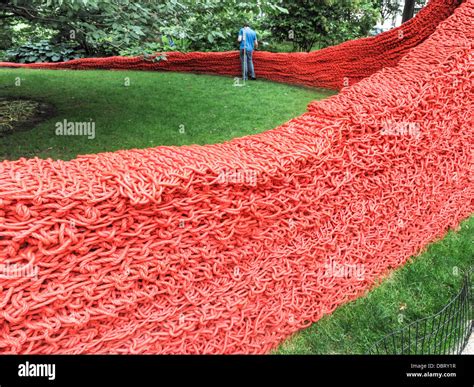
{"type": "Point", "coordinates": [230, 248]}
{"type": "Point", "coordinates": [334, 67]}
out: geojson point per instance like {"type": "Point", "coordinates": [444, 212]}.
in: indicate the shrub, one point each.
{"type": "Point", "coordinates": [152, 48]}
{"type": "Point", "coordinates": [44, 51]}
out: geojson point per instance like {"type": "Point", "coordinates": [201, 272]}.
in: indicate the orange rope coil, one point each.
{"type": "Point", "coordinates": [230, 248]}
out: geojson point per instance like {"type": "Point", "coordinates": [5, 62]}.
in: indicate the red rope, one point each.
{"type": "Point", "coordinates": [230, 248]}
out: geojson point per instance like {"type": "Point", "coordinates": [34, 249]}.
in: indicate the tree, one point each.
{"type": "Point", "coordinates": [117, 26]}
{"type": "Point", "coordinates": [388, 8]}
{"type": "Point", "coordinates": [214, 24]}
{"type": "Point", "coordinates": [323, 22]}
{"type": "Point", "coordinates": [408, 10]}
{"type": "Point", "coordinates": [94, 24]}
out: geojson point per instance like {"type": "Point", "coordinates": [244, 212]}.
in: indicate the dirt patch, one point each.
{"type": "Point", "coordinates": [22, 114]}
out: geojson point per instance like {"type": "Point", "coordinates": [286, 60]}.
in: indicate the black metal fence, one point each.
{"type": "Point", "coordinates": [445, 332]}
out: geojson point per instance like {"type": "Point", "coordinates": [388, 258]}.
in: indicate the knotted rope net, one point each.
{"type": "Point", "coordinates": [231, 248]}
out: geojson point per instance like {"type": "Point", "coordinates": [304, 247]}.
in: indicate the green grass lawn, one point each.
{"type": "Point", "coordinates": [178, 109]}
{"type": "Point", "coordinates": [155, 109]}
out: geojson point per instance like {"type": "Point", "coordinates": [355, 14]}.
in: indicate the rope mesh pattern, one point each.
{"type": "Point", "coordinates": [333, 67]}
{"type": "Point", "coordinates": [230, 248]}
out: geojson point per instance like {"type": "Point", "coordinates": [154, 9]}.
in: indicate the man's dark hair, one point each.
{"type": "Point", "coordinates": [246, 24]}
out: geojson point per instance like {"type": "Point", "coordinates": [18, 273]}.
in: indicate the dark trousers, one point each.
{"type": "Point", "coordinates": [247, 68]}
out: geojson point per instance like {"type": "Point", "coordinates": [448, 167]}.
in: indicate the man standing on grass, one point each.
{"type": "Point", "coordinates": [248, 40]}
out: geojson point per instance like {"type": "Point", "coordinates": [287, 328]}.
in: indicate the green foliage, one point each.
{"type": "Point", "coordinates": [212, 25]}
{"type": "Point", "coordinates": [43, 52]}
{"type": "Point", "coordinates": [26, 32]}
{"type": "Point", "coordinates": [323, 23]}
{"type": "Point", "coordinates": [110, 27]}
{"type": "Point", "coordinates": [148, 51]}
{"type": "Point", "coordinates": [388, 8]}
{"type": "Point", "coordinates": [6, 37]}
{"type": "Point", "coordinates": [113, 26]}
{"type": "Point", "coordinates": [100, 27]}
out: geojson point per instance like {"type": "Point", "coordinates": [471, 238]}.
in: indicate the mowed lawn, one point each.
{"type": "Point", "coordinates": [420, 288]}
{"type": "Point", "coordinates": [155, 108]}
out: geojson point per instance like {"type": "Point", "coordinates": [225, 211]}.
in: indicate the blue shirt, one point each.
{"type": "Point", "coordinates": [250, 38]}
